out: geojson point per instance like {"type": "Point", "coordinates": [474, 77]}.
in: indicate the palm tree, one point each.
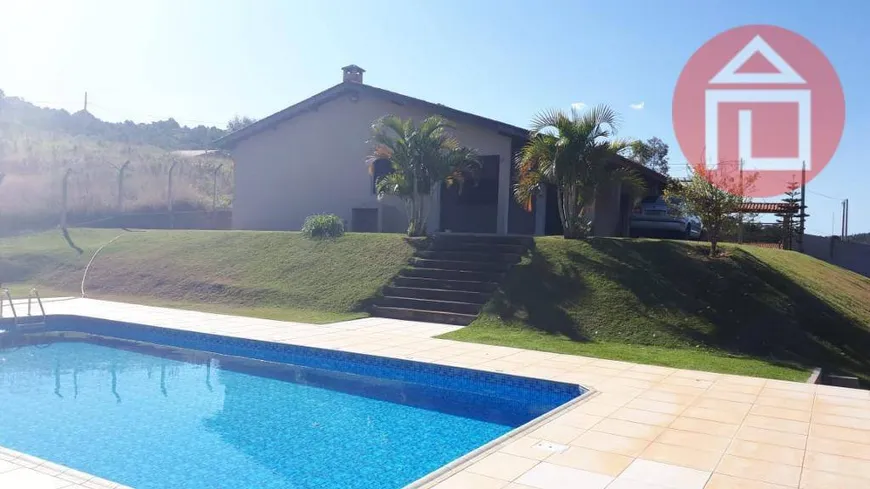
{"type": "Point", "coordinates": [421, 156]}
{"type": "Point", "coordinates": [575, 152]}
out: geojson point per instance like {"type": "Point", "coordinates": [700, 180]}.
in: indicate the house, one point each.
{"type": "Point", "coordinates": [310, 158]}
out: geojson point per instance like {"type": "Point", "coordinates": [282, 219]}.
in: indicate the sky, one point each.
{"type": "Point", "coordinates": [204, 61]}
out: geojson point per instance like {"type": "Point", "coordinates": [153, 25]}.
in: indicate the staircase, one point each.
{"type": "Point", "coordinates": [451, 280]}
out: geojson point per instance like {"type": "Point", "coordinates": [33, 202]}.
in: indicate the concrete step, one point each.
{"type": "Point", "coordinates": [477, 247]}
{"type": "Point", "coordinates": [485, 238]}
{"type": "Point", "coordinates": [437, 294]}
{"type": "Point", "coordinates": [443, 274]}
{"type": "Point", "coordinates": [469, 256]}
{"type": "Point", "coordinates": [471, 266]}
{"type": "Point", "coordinates": [453, 285]}
{"type": "Point", "coordinates": [430, 305]}
{"type": "Point", "coordinates": [422, 315]}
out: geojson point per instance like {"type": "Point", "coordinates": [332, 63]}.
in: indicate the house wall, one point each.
{"type": "Point", "coordinates": [606, 213]}
{"type": "Point", "coordinates": [315, 163]}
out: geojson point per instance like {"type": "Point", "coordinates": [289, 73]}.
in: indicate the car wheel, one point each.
{"type": "Point", "coordinates": [688, 233]}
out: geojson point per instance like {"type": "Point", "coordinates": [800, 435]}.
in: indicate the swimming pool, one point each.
{"type": "Point", "coordinates": [157, 408]}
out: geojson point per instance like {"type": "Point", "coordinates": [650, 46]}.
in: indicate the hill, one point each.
{"type": "Point", "coordinates": [779, 310]}
{"type": "Point", "coordinates": [38, 146]}
{"type": "Point", "coordinates": [268, 274]}
{"type": "Point", "coordinates": [755, 311]}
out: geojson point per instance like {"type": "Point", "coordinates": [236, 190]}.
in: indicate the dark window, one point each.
{"type": "Point", "coordinates": [482, 192]}
{"type": "Point", "coordinates": [380, 169]}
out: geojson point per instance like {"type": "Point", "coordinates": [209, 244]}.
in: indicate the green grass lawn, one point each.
{"type": "Point", "coordinates": [276, 275]}
{"type": "Point", "coordinates": [754, 311]}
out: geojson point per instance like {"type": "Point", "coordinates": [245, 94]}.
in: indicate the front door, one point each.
{"type": "Point", "coordinates": [473, 206]}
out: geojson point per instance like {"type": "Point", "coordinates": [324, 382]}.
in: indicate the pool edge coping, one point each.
{"type": "Point", "coordinates": [458, 465]}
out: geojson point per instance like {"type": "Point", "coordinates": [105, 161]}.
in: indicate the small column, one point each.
{"type": "Point", "coordinates": [541, 213]}
{"type": "Point", "coordinates": [434, 222]}
{"type": "Point", "coordinates": [504, 194]}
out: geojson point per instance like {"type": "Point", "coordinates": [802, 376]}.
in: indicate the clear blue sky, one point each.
{"type": "Point", "coordinates": [202, 61]}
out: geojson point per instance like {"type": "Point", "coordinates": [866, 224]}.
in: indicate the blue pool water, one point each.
{"type": "Point", "coordinates": [158, 417]}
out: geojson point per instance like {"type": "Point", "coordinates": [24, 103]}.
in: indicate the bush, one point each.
{"type": "Point", "coordinates": [323, 226]}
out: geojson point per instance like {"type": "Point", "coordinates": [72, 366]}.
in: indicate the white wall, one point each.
{"type": "Point", "coordinates": [315, 163]}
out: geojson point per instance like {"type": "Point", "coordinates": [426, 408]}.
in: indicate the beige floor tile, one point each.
{"type": "Point", "coordinates": [25, 478]}
{"type": "Point", "coordinates": [830, 390]}
{"type": "Point", "coordinates": [645, 417]}
{"type": "Point", "coordinates": [556, 432]}
{"type": "Point", "coordinates": [839, 447]}
{"type": "Point", "coordinates": [848, 411]}
{"type": "Point", "coordinates": [470, 480]}
{"type": "Point", "coordinates": [790, 386]}
{"type": "Point", "coordinates": [782, 413]}
{"type": "Point", "coordinates": [628, 428]}
{"type": "Point", "coordinates": [722, 405]}
{"type": "Point", "coordinates": [682, 456]}
{"type": "Point", "coordinates": [668, 397]}
{"type": "Point", "coordinates": [596, 408]}
{"type": "Point", "coordinates": [650, 474]}
{"type": "Point", "coordinates": [816, 479]}
{"type": "Point", "coordinates": [607, 442]}
{"type": "Point", "coordinates": [705, 426]}
{"type": "Point", "coordinates": [767, 452]}
{"type": "Point", "coordinates": [579, 419]}
{"type": "Point", "coordinates": [551, 476]}
{"type": "Point", "coordinates": [838, 433]}
{"type": "Point", "coordinates": [795, 396]}
{"type": "Point", "coordinates": [729, 396]}
{"type": "Point", "coordinates": [786, 475]}
{"type": "Point", "coordinates": [825, 400]}
{"type": "Point", "coordinates": [503, 466]}
{"type": "Point", "coordinates": [842, 421]}
{"type": "Point", "coordinates": [687, 382]}
{"type": "Point", "coordinates": [680, 389]}
{"type": "Point", "coordinates": [722, 481]}
{"type": "Point", "coordinates": [694, 440]}
{"type": "Point", "coordinates": [837, 464]}
{"type": "Point", "coordinates": [633, 374]}
{"type": "Point", "coordinates": [525, 447]}
{"type": "Point", "coordinates": [592, 460]}
{"type": "Point", "coordinates": [696, 375]}
{"type": "Point", "coordinates": [732, 417]}
{"type": "Point", "coordinates": [514, 485]}
{"type": "Point", "coordinates": [736, 388]}
{"type": "Point", "coordinates": [777, 424]}
{"type": "Point", "coordinates": [779, 438]}
{"type": "Point", "coordinates": [804, 405]}
{"type": "Point", "coordinates": [656, 406]}
{"type": "Point", "coordinates": [615, 398]}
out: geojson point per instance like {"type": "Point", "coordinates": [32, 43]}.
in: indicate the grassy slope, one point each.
{"type": "Point", "coordinates": [756, 311]}
{"type": "Point", "coordinates": [266, 274]}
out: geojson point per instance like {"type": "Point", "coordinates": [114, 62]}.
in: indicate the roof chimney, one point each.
{"type": "Point", "coordinates": [352, 74]}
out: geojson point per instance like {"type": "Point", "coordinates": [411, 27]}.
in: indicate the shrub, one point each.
{"type": "Point", "coordinates": [323, 226]}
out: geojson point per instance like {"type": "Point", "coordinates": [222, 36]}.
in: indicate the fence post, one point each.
{"type": "Point", "coordinates": [64, 194]}
{"type": "Point", "coordinates": [214, 189]}
{"type": "Point", "coordinates": [169, 192]}
{"type": "Point", "coordinates": [123, 167]}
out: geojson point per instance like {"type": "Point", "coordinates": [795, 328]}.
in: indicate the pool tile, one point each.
{"type": "Point", "coordinates": [550, 476]}
{"type": "Point", "coordinates": [664, 475]}
{"type": "Point", "coordinates": [767, 452]}
{"type": "Point", "coordinates": [782, 413]}
{"type": "Point", "coordinates": [839, 447]}
{"type": "Point", "coordinates": [656, 406]}
{"type": "Point", "coordinates": [526, 447]}
{"type": "Point", "coordinates": [502, 466]}
{"type": "Point", "coordinates": [842, 421]}
{"type": "Point", "coordinates": [591, 460]}
{"type": "Point", "coordinates": [714, 414]}
{"type": "Point", "coordinates": [7, 466]}
{"type": "Point", "coordinates": [837, 433]}
{"type": "Point", "coordinates": [692, 458]}
{"type": "Point", "coordinates": [785, 475]}
{"type": "Point", "coordinates": [556, 432]}
{"type": "Point", "coordinates": [668, 397]}
{"type": "Point", "coordinates": [644, 417]}
{"type": "Point", "coordinates": [579, 419]}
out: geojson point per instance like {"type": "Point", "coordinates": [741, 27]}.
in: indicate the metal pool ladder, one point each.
{"type": "Point", "coordinates": [30, 319]}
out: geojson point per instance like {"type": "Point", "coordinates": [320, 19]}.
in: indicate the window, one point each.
{"type": "Point", "coordinates": [380, 169]}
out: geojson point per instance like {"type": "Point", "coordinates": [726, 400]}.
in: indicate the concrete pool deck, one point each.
{"type": "Point", "coordinates": [647, 427]}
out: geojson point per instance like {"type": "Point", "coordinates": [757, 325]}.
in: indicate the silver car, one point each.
{"type": "Point", "coordinates": [655, 217]}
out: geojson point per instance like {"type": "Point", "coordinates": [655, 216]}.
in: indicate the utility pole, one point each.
{"type": "Point", "coordinates": [846, 236]}
{"type": "Point", "coordinates": [86, 101]}
{"type": "Point", "coordinates": [803, 214]}
{"type": "Point", "coordinates": [843, 219]}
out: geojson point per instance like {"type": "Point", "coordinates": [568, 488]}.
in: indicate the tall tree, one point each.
{"type": "Point", "coordinates": [713, 196]}
{"type": "Point", "coordinates": [239, 122]}
{"type": "Point", "coordinates": [652, 153]}
{"type": "Point", "coordinates": [577, 153]}
{"type": "Point", "coordinates": [421, 156]}
{"type": "Point", "coordinates": [790, 221]}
